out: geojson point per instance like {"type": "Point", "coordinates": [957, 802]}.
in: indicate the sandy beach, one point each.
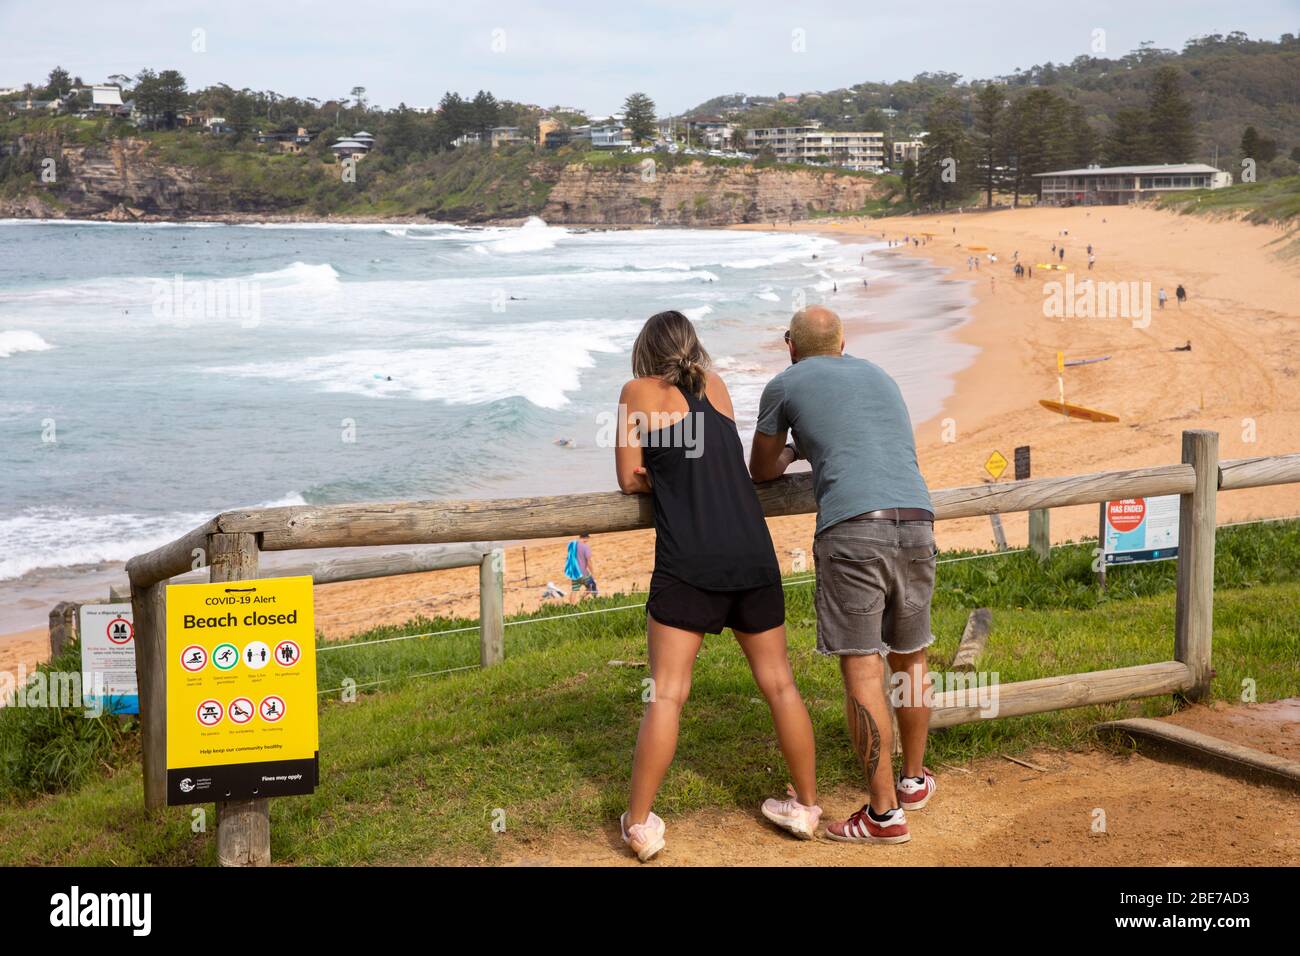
{"type": "Point", "coordinates": [1241, 378]}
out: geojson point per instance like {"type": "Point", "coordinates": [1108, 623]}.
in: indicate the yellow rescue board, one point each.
{"type": "Point", "coordinates": [1077, 411]}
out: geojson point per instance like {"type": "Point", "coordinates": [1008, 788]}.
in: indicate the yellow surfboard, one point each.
{"type": "Point", "coordinates": [1077, 411]}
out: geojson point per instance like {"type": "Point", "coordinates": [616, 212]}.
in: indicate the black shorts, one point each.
{"type": "Point", "coordinates": [689, 608]}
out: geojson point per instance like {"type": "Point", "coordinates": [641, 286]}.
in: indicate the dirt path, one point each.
{"type": "Point", "coordinates": [999, 814]}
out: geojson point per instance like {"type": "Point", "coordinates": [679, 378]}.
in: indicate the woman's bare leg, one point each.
{"type": "Point", "coordinates": [672, 657]}
{"type": "Point", "coordinates": [769, 659]}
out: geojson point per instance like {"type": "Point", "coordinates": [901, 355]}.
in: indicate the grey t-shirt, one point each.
{"type": "Point", "coordinates": [850, 422]}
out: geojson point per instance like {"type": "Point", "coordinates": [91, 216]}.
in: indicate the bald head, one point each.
{"type": "Point", "coordinates": [816, 330]}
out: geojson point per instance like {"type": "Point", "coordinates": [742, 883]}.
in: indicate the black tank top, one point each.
{"type": "Point", "coordinates": [709, 527]}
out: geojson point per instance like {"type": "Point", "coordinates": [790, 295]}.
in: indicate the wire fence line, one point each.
{"type": "Point", "coordinates": [389, 680]}
{"type": "Point", "coordinates": [792, 582]}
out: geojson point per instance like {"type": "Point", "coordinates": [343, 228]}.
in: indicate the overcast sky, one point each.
{"type": "Point", "coordinates": [590, 53]}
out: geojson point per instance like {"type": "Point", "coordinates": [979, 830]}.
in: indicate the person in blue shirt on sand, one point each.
{"type": "Point", "coordinates": [579, 568]}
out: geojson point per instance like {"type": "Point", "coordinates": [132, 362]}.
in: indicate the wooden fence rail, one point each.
{"type": "Point", "coordinates": [229, 543]}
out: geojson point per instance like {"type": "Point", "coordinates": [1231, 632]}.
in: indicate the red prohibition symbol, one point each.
{"type": "Point", "coordinates": [241, 710]}
{"type": "Point", "coordinates": [271, 708]}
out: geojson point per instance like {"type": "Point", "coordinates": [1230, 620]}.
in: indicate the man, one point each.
{"type": "Point", "coordinates": [579, 568]}
{"type": "Point", "coordinates": [874, 552]}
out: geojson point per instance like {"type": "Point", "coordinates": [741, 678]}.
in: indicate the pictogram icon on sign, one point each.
{"type": "Point", "coordinates": [120, 630]}
{"type": "Point", "coordinates": [194, 658]}
{"type": "Point", "coordinates": [257, 655]}
{"type": "Point", "coordinates": [271, 708]}
{"type": "Point", "coordinates": [241, 710]}
{"type": "Point", "coordinates": [287, 653]}
{"type": "Point", "coordinates": [210, 713]}
{"type": "Point", "coordinates": [225, 656]}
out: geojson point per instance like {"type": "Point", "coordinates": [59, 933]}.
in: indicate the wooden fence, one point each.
{"type": "Point", "coordinates": [229, 545]}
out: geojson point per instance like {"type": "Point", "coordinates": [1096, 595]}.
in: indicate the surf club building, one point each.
{"type": "Point", "coordinates": [1118, 185]}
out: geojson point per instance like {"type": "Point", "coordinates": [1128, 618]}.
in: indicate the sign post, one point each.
{"type": "Point", "coordinates": [241, 696]}
{"type": "Point", "coordinates": [995, 465]}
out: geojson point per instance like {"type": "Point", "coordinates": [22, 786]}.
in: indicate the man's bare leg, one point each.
{"type": "Point", "coordinates": [870, 727]}
{"type": "Point", "coordinates": [914, 714]}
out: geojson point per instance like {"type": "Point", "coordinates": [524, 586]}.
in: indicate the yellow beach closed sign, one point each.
{"type": "Point", "coordinates": [241, 690]}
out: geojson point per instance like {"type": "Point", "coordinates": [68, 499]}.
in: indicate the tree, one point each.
{"type": "Point", "coordinates": [1084, 142]}
{"type": "Point", "coordinates": [1039, 139]}
{"type": "Point", "coordinates": [1173, 134]}
{"type": "Point", "coordinates": [146, 95]}
{"type": "Point", "coordinates": [942, 173]}
{"type": "Point", "coordinates": [990, 108]}
{"type": "Point", "coordinates": [909, 178]}
{"type": "Point", "coordinates": [639, 116]}
{"type": "Point", "coordinates": [484, 112]}
{"type": "Point", "coordinates": [1129, 141]}
{"type": "Point", "coordinates": [454, 119]}
{"type": "Point", "coordinates": [239, 113]}
{"type": "Point", "coordinates": [1256, 147]}
{"type": "Point", "coordinates": [171, 96]}
{"type": "Point", "coordinates": [58, 83]}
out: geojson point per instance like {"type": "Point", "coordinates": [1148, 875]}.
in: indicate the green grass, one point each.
{"type": "Point", "coordinates": [414, 769]}
{"type": "Point", "coordinates": [1272, 201]}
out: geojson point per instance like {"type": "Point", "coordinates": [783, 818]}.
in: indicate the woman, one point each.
{"type": "Point", "coordinates": [714, 566]}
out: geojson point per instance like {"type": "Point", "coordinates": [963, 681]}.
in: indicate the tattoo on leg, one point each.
{"type": "Point", "coordinates": [867, 741]}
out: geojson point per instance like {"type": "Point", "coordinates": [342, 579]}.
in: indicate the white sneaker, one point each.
{"type": "Point", "coordinates": [790, 814]}
{"type": "Point", "coordinates": [645, 839]}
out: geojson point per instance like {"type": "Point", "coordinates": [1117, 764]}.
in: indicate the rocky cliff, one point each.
{"type": "Point", "coordinates": [126, 179]}
{"type": "Point", "coordinates": [116, 180]}
{"type": "Point", "coordinates": [700, 195]}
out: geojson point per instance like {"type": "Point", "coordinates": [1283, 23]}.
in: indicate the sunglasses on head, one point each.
{"type": "Point", "coordinates": [787, 336]}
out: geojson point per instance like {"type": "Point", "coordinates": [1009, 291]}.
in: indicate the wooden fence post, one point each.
{"type": "Point", "coordinates": [1040, 533]}
{"type": "Point", "coordinates": [491, 608]}
{"type": "Point", "coordinates": [63, 626]}
{"type": "Point", "coordinates": [149, 616]}
{"type": "Point", "coordinates": [1194, 613]}
{"type": "Point", "coordinates": [243, 826]}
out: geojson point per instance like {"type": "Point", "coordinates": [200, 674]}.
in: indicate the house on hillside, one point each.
{"type": "Point", "coordinates": [355, 146]}
{"type": "Point", "coordinates": [905, 149]}
{"type": "Point", "coordinates": [505, 136]}
{"type": "Point", "coordinates": [106, 99]}
{"type": "Point", "coordinates": [30, 105]}
{"type": "Point", "coordinates": [289, 141]}
{"type": "Point", "coordinates": [711, 131]}
{"type": "Point", "coordinates": [610, 136]}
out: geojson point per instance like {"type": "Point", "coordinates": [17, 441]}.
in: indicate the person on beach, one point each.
{"type": "Point", "coordinates": [873, 549]}
{"type": "Point", "coordinates": [1161, 297]}
{"type": "Point", "coordinates": [580, 569]}
{"type": "Point", "coordinates": [1180, 294]}
{"type": "Point", "coordinates": [715, 567]}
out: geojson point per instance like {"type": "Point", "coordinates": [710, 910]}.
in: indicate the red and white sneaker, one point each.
{"type": "Point", "coordinates": [860, 828]}
{"type": "Point", "coordinates": [913, 795]}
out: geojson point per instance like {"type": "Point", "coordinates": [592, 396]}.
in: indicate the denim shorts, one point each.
{"type": "Point", "coordinates": [874, 583]}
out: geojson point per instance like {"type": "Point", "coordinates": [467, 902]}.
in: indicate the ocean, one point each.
{"type": "Point", "coordinates": [152, 375]}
